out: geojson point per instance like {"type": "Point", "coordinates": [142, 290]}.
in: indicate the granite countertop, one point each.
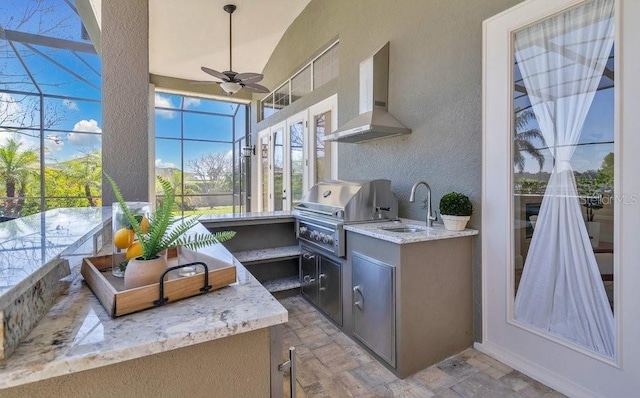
{"type": "Point", "coordinates": [424, 233]}
{"type": "Point", "coordinates": [28, 244]}
{"type": "Point", "coordinates": [265, 215]}
{"type": "Point", "coordinates": [77, 334]}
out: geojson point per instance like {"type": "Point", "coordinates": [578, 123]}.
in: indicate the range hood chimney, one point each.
{"type": "Point", "coordinates": [374, 121]}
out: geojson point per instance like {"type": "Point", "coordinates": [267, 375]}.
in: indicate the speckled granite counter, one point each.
{"type": "Point", "coordinates": [77, 333]}
{"type": "Point", "coordinates": [379, 231]}
{"type": "Point", "coordinates": [28, 244]}
{"type": "Point", "coordinates": [240, 217]}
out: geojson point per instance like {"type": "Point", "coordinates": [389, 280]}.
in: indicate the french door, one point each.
{"type": "Point", "coordinates": [293, 156]}
{"type": "Point", "coordinates": [561, 194]}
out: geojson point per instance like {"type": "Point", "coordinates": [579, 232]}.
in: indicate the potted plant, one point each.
{"type": "Point", "coordinates": [161, 231]}
{"type": "Point", "coordinates": [455, 210]}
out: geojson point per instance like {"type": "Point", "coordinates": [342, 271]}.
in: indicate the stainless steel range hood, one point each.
{"type": "Point", "coordinates": [374, 121]}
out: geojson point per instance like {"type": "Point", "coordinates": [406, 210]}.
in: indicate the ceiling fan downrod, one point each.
{"type": "Point", "coordinates": [230, 8]}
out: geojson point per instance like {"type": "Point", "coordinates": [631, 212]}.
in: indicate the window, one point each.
{"type": "Point", "coordinates": [50, 110]}
{"type": "Point", "coordinates": [301, 84]}
{"type": "Point", "coordinates": [198, 148]}
{"type": "Point", "coordinates": [323, 68]}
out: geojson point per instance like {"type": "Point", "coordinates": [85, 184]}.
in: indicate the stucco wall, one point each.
{"type": "Point", "coordinates": [237, 366]}
{"type": "Point", "coordinates": [126, 148]}
{"type": "Point", "coordinates": [435, 89]}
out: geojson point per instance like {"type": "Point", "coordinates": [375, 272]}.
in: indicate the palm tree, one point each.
{"type": "Point", "coordinates": [86, 172]}
{"type": "Point", "coordinates": [16, 167]}
{"type": "Point", "coordinates": [522, 140]}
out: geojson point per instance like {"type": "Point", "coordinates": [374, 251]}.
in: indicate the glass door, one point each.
{"type": "Point", "coordinates": [323, 156]}
{"type": "Point", "coordinates": [279, 167]}
{"type": "Point", "coordinates": [264, 162]}
{"type": "Point", "coordinates": [297, 142]}
{"type": "Point", "coordinates": [559, 205]}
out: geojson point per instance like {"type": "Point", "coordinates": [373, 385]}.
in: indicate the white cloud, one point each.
{"type": "Point", "coordinates": [90, 126]}
{"type": "Point", "coordinates": [27, 140]}
{"type": "Point", "coordinates": [70, 104]}
{"type": "Point", "coordinates": [164, 165]}
{"type": "Point", "coordinates": [8, 105]}
{"type": "Point", "coordinates": [164, 102]}
{"type": "Point", "coordinates": [190, 101]}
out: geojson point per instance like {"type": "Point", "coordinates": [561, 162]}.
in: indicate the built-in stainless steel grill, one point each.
{"type": "Point", "coordinates": [329, 205]}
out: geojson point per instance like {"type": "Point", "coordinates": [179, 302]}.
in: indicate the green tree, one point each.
{"type": "Point", "coordinates": [604, 176]}
{"type": "Point", "coordinates": [86, 172]}
{"type": "Point", "coordinates": [522, 140]}
{"type": "Point", "coordinates": [16, 168]}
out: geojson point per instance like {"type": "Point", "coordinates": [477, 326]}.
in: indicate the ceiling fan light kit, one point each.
{"type": "Point", "coordinates": [232, 82]}
{"type": "Point", "coordinates": [230, 87]}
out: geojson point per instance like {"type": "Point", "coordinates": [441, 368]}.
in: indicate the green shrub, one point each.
{"type": "Point", "coordinates": [455, 204]}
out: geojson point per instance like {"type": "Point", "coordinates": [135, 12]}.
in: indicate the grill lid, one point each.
{"type": "Point", "coordinates": [350, 201]}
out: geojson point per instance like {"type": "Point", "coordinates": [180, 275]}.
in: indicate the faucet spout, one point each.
{"type": "Point", "coordinates": [412, 198]}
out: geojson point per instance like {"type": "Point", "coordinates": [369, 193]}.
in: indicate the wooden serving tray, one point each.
{"type": "Point", "coordinates": [119, 301]}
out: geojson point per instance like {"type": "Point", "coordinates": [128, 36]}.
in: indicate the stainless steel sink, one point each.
{"type": "Point", "coordinates": [402, 229]}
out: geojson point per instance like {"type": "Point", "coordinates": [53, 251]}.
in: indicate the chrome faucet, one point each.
{"type": "Point", "coordinates": [412, 198]}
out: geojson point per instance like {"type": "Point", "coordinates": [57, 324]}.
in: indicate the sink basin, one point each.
{"type": "Point", "coordinates": [403, 229]}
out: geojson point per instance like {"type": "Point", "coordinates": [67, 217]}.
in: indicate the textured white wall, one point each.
{"type": "Point", "coordinates": [435, 89]}
{"type": "Point", "coordinates": [125, 98]}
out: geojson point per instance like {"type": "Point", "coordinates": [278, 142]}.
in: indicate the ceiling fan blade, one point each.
{"type": "Point", "coordinates": [204, 82]}
{"type": "Point", "coordinates": [215, 73]}
{"type": "Point", "coordinates": [256, 88]}
{"type": "Point", "coordinates": [249, 77]}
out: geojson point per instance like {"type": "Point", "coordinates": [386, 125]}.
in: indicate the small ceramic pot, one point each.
{"type": "Point", "coordinates": [142, 272]}
{"type": "Point", "coordinates": [455, 223]}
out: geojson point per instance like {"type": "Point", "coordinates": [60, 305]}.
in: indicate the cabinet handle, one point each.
{"type": "Point", "coordinates": [358, 303]}
{"type": "Point", "coordinates": [308, 256]}
{"type": "Point", "coordinates": [308, 279]}
{"type": "Point", "coordinates": [320, 282]}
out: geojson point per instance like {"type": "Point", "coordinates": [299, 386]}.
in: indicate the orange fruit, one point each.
{"type": "Point", "coordinates": [135, 250]}
{"type": "Point", "coordinates": [123, 238]}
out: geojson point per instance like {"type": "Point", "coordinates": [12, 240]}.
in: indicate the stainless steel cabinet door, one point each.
{"type": "Point", "coordinates": [330, 291]}
{"type": "Point", "coordinates": [309, 275]}
{"type": "Point", "coordinates": [374, 306]}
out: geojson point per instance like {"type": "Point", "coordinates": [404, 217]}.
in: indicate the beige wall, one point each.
{"type": "Point", "coordinates": [435, 89]}
{"type": "Point", "coordinates": [236, 366]}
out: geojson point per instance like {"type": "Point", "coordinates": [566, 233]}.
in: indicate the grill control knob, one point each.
{"type": "Point", "coordinates": [319, 236]}
{"type": "Point", "coordinates": [313, 235]}
{"type": "Point", "coordinates": [328, 240]}
{"type": "Point", "coordinates": [302, 230]}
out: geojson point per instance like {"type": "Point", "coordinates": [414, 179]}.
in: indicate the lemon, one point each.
{"type": "Point", "coordinates": [135, 250]}
{"type": "Point", "coordinates": [144, 224]}
{"type": "Point", "coordinates": [123, 238]}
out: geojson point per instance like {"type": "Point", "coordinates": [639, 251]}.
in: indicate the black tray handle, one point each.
{"type": "Point", "coordinates": [204, 289]}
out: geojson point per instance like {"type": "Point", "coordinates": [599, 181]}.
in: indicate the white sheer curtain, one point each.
{"type": "Point", "coordinates": [562, 60]}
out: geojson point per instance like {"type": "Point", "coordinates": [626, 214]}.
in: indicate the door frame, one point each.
{"type": "Point", "coordinates": [563, 366]}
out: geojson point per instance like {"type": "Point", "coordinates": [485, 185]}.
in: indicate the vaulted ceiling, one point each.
{"type": "Point", "coordinates": [187, 34]}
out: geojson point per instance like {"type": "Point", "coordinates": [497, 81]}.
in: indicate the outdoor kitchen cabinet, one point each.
{"type": "Point", "coordinates": [432, 299]}
{"type": "Point", "coordinates": [321, 283]}
{"type": "Point", "coordinates": [374, 306]}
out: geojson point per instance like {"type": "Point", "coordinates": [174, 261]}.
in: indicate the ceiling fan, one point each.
{"type": "Point", "coordinates": [232, 81]}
